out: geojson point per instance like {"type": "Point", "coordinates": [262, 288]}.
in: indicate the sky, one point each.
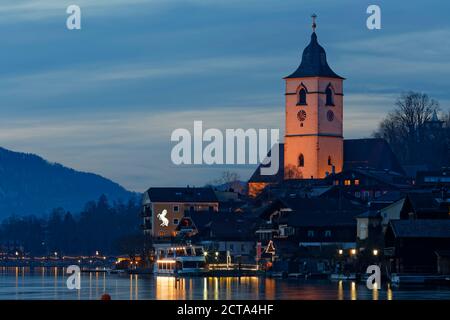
{"type": "Point", "coordinates": [106, 98]}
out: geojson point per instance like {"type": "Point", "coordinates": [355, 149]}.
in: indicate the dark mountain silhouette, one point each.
{"type": "Point", "coordinates": [31, 185]}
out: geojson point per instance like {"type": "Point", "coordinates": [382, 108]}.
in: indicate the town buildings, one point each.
{"type": "Point", "coordinates": [335, 204]}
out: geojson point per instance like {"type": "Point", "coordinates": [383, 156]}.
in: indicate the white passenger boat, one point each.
{"type": "Point", "coordinates": [180, 260]}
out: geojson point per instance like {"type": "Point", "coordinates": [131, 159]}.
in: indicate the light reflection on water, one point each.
{"type": "Point", "coordinates": [50, 283]}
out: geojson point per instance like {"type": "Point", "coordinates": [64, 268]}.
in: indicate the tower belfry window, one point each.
{"type": "Point", "coordinates": [302, 97]}
{"type": "Point", "coordinates": [329, 96]}
{"type": "Point", "coordinates": [329, 161]}
{"type": "Point", "coordinates": [301, 160]}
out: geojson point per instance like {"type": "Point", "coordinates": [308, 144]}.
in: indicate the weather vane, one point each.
{"type": "Point", "coordinates": [314, 25]}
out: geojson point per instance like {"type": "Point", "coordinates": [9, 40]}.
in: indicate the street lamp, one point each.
{"type": "Point", "coordinates": [341, 252]}
{"type": "Point", "coordinates": [353, 252]}
{"type": "Point", "coordinates": [375, 252]}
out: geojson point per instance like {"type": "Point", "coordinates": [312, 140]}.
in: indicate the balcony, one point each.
{"type": "Point", "coordinates": [146, 212]}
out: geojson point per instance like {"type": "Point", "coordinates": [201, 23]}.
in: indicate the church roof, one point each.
{"type": "Point", "coordinates": [370, 153]}
{"type": "Point", "coordinates": [258, 177]}
{"type": "Point", "coordinates": [374, 154]}
{"type": "Point", "coordinates": [314, 62]}
{"type": "Point", "coordinates": [421, 228]}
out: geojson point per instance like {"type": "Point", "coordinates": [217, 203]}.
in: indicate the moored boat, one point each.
{"type": "Point", "coordinates": [180, 260]}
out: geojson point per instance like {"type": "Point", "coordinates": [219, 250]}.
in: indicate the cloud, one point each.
{"type": "Point", "coordinates": [83, 77]}
{"type": "Point", "coordinates": [43, 9]}
{"type": "Point", "coordinates": [398, 61]}
{"type": "Point", "coordinates": [132, 149]}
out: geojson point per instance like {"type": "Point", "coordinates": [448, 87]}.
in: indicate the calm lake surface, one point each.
{"type": "Point", "coordinates": [50, 284]}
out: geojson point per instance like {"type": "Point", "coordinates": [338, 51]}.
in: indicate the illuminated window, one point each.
{"type": "Point", "coordinates": [347, 183]}
{"type": "Point", "coordinates": [302, 97]}
{"type": "Point", "coordinates": [356, 182]}
{"type": "Point", "coordinates": [301, 160]}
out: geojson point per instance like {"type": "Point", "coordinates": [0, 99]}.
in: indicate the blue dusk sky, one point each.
{"type": "Point", "coordinates": [106, 98]}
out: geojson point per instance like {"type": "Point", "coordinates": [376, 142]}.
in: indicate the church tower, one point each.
{"type": "Point", "coordinates": [314, 143]}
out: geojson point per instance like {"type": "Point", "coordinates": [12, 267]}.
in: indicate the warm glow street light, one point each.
{"type": "Point", "coordinates": [217, 254]}
{"type": "Point", "coordinates": [341, 252]}
{"type": "Point", "coordinates": [353, 252]}
{"type": "Point", "coordinates": [96, 253]}
{"type": "Point", "coordinates": [205, 253]}
{"type": "Point", "coordinates": [17, 253]}
{"type": "Point", "coordinates": [375, 252]}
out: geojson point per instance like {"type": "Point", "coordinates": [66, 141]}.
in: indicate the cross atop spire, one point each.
{"type": "Point", "coordinates": [314, 25]}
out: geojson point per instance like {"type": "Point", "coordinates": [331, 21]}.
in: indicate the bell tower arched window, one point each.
{"type": "Point", "coordinates": [301, 160]}
{"type": "Point", "coordinates": [329, 161]}
{"type": "Point", "coordinates": [329, 96]}
{"type": "Point", "coordinates": [301, 97]}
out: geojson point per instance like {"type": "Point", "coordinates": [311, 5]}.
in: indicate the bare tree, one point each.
{"type": "Point", "coordinates": [231, 180]}
{"type": "Point", "coordinates": [407, 129]}
{"type": "Point", "coordinates": [292, 172]}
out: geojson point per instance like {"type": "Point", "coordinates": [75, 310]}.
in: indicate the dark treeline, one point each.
{"type": "Point", "coordinates": [109, 229]}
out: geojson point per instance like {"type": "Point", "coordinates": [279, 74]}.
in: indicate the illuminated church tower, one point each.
{"type": "Point", "coordinates": [314, 140]}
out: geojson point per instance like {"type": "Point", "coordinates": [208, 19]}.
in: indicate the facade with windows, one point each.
{"type": "Point", "coordinates": [163, 208]}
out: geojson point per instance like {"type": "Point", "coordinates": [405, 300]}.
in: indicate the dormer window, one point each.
{"type": "Point", "coordinates": [329, 96]}
{"type": "Point", "coordinates": [302, 97]}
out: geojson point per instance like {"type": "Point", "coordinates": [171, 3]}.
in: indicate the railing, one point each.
{"type": "Point", "coordinates": [232, 266]}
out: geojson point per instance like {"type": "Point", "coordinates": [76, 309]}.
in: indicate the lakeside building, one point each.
{"type": "Point", "coordinates": [225, 233]}
{"type": "Point", "coordinates": [416, 245]}
{"type": "Point", "coordinates": [163, 208]}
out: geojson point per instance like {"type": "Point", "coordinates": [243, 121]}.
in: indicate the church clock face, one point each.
{"type": "Point", "coordinates": [301, 115]}
{"type": "Point", "coordinates": [330, 115]}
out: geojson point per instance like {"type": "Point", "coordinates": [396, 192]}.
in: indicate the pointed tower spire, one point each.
{"type": "Point", "coordinates": [314, 59]}
{"type": "Point", "coordinates": [314, 25]}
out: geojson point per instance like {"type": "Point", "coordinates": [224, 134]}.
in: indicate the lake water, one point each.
{"type": "Point", "coordinates": [50, 284]}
